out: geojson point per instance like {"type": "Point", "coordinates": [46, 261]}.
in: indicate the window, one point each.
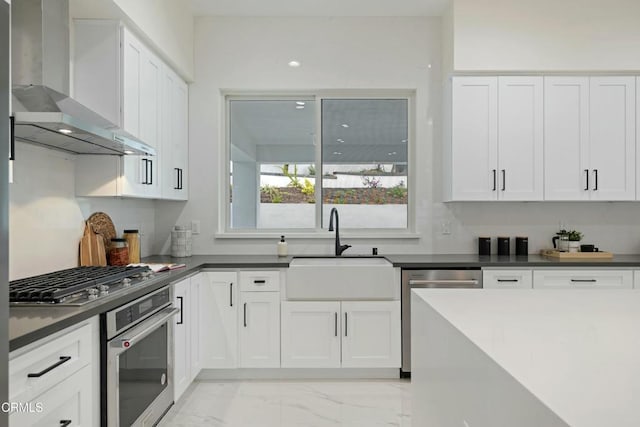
{"type": "Point", "coordinates": [293, 159]}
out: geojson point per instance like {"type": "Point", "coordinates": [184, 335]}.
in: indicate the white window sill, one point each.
{"type": "Point", "coordinates": [325, 235]}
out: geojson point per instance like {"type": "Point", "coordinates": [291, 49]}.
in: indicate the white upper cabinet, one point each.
{"type": "Point", "coordinates": [520, 138]}
{"type": "Point", "coordinates": [497, 138]}
{"type": "Point", "coordinates": [590, 138]}
{"type": "Point", "coordinates": [474, 138]}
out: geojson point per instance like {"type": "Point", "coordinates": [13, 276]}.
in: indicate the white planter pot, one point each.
{"type": "Point", "coordinates": [574, 246]}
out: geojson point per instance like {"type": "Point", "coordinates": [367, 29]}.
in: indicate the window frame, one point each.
{"type": "Point", "coordinates": [315, 96]}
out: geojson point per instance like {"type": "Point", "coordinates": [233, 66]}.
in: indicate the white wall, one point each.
{"type": "Point", "coordinates": [252, 53]}
{"type": "Point", "coordinates": [546, 35]}
{"type": "Point", "coordinates": [46, 221]}
{"type": "Point", "coordinates": [167, 24]}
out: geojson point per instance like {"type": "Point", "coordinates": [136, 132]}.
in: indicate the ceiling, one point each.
{"type": "Point", "coordinates": [318, 7]}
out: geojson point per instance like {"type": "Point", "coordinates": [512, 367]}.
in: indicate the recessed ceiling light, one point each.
{"type": "Point", "coordinates": [429, 66]}
{"type": "Point", "coordinates": [299, 107]}
{"type": "Point", "coordinates": [340, 140]}
{"type": "Point", "coordinates": [65, 131]}
{"type": "Point", "coordinates": [404, 140]}
{"type": "Point", "coordinates": [337, 153]}
{"type": "Point", "coordinates": [294, 64]}
{"type": "Point", "coordinates": [393, 153]}
{"type": "Point", "coordinates": [344, 125]}
{"type": "Point", "coordinates": [299, 102]}
{"type": "Point", "coordinates": [128, 152]}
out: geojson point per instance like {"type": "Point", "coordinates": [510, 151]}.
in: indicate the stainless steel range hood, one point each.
{"type": "Point", "coordinates": [44, 113]}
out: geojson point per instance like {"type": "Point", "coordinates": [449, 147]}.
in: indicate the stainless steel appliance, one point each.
{"type": "Point", "coordinates": [5, 140]}
{"type": "Point", "coordinates": [76, 286]}
{"type": "Point", "coordinates": [137, 375]}
{"type": "Point", "coordinates": [412, 279]}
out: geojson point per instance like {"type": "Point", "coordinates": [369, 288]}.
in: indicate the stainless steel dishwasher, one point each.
{"type": "Point", "coordinates": [414, 279]}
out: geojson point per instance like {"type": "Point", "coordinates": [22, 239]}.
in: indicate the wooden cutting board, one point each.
{"type": "Point", "coordinates": [575, 255]}
{"type": "Point", "coordinates": [102, 225]}
{"type": "Point", "coordinates": [92, 252]}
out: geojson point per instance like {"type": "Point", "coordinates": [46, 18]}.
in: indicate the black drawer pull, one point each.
{"type": "Point", "coordinates": [335, 320]}
{"type": "Point", "coordinates": [245, 314]}
{"type": "Point", "coordinates": [65, 423]}
{"type": "Point", "coordinates": [584, 280]}
{"type": "Point", "coordinates": [12, 141]}
{"type": "Point", "coordinates": [62, 360]}
{"type": "Point", "coordinates": [260, 282]}
{"type": "Point", "coordinates": [508, 280]}
{"type": "Point", "coordinates": [346, 324]}
{"type": "Point", "coordinates": [230, 294]}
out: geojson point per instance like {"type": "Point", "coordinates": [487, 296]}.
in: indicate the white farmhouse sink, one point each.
{"type": "Point", "coordinates": [340, 278]}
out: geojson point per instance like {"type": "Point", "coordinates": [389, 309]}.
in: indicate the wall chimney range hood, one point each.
{"type": "Point", "coordinates": [44, 113]}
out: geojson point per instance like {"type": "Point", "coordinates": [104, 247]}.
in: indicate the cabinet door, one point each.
{"type": "Point", "coordinates": [311, 334]}
{"type": "Point", "coordinates": [474, 138]}
{"type": "Point", "coordinates": [566, 138]}
{"type": "Point", "coordinates": [218, 320]}
{"type": "Point", "coordinates": [132, 59]}
{"type": "Point", "coordinates": [194, 324]}
{"type": "Point", "coordinates": [181, 339]}
{"type": "Point", "coordinates": [582, 279]}
{"type": "Point", "coordinates": [520, 143]}
{"type": "Point", "coordinates": [70, 400]}
{"type": "Point", "coordinates": [612, 138]}
{"type": "Point", "coordinates": [507, 279]}
{"type": "Point", "coordinates": [259, 334]}
{"type": "Point", "coordinates": [371, 334]}
{"type": "Point", "coordinates": [174, 136]}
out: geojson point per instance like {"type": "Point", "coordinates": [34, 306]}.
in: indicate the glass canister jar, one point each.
{"type": "Point", "coordinates": [180, 241]}
{"type": "Point", "coordinates": [119, 252]}
{"type": "Point", "coordinates": [133, 240]}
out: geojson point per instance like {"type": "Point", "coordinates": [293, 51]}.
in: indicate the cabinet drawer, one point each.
{"type": "Point", "coordinates": [583, 279]}
{"type": "Point", "coordinates": [70, 400]}
{"type": "Point", "coordinates": [46, 365]}
{"type": "Point", "coordinates": [265, 281]}
{"type": "Point", "coordinates": [507, 279]}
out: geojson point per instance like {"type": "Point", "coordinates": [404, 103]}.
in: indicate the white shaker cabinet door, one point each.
{"type": "Point", "coordinates": [311, 334]}
{"type": "Point", "coordinates": [218, 320]}
{"type": "Point", "coordinates": [520, 138]}
{"type": "Point", "coordinates": [566, 138]}
{"type": "Point", "coordinates": [507, 279]}
{"type": "Point", "coordinates": [371, 334]}
{"type": "Point", "coordinates": [259, 334]}
{"type": "Point", "coordinates": [181, 339]}
{"type": "Point", "coordinates": [612, 138]}
{"type": "Point", "coordinates": [474, 138]}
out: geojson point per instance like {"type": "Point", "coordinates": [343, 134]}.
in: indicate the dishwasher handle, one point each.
{"type": "Point", "coordinates": [434, 283]}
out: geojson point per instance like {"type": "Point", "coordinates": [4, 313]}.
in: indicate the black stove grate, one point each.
{"type": "Point", "coordinates": [55, 287]}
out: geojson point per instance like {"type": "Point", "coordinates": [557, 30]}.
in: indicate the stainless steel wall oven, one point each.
{"type": "Point", "coordinates": [137, 361]}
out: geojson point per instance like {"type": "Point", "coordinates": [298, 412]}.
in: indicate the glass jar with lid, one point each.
{"type": "Point", "coordinates": [119, 252]}
{"type": "Point", "coordinates": [133, 240]}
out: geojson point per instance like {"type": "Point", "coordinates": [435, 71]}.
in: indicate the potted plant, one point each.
{"type": "Point", "coordinates": [574, 240]}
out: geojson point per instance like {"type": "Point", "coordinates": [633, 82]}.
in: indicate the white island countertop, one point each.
{"type": "Point", "coordinates": [577, 351]}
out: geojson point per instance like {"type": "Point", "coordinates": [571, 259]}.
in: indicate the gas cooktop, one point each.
{"type": "Point", "coordinates": [75, 286]}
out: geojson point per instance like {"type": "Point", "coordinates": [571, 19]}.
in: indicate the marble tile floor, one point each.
{"type": "Point", "coordinates": [289, 403]}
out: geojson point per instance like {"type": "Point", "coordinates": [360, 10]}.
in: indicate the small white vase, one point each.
{"type": "Point", "coordinates": [574, 246]}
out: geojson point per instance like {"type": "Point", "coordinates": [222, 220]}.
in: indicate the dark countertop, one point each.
{"type": "Point", "coordinates": [29, 324]}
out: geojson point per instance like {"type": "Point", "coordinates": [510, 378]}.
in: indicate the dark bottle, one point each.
{"type": "Point", "coordinates": [503, 246]}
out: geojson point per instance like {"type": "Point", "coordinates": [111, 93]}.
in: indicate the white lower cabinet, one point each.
{"type": "Point", "coordinates": [349, 334]}
{"type": "Point", "coordinates": [57, 380]}
{"type": "Point", "coordinates": [636, 279]}
{"type": "Point", "coordinates": [507, 279]}
{"type": "Point", "coordinates": [219, 320]}
{"type": "Point", "coordinates": [582, 279]}
{"type": "Point", "coordinates": [311, 334]}
{"type": "Point", "coordinates": [259, 334]}
{"type": "Point", "coordinates": [194, 327]}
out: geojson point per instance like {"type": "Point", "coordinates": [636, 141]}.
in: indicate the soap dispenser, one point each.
{"type": "Point", "coordinates": [282, 247]}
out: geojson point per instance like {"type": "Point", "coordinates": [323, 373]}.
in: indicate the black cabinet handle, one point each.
{"type": "Point", "coordinates": [65, 423]}
{"type": "Point", "coordinates": [494, 180]}
{"type": "Point", "coordinates": [595, 187]}
{"type": "Point", "coordinates": [260, 281]}
{"type": "Point", "coordinates": [230, 294]}
{"type": "Point", "coordinates": [146, 172]}
{"type": "Point", "coordinates": [504, 179]}
{"type": "Point", "coordinates": [181, 188]}
{"type": "Point", "coordinates": [150, 173]}
{"type": "Point", "coordinates": [245, 314]}
{"type": "Point", "coordinates": [181, 321]}
{"type": "Point", "coordinates": [177, 187]}
{"type": "Point", "coordinates": [335, 320]}
{"type": "Point", "coordinates": [507, 280]}
{"type": "Point", "coordinates": [345, 325]}
{"type": "Point", "coordinates": [62, 360]}
{"type": "Point", "coordinates": [584, 280]}
{"type": "Point", "coordinates": [586, 173]}
{"type": "Point", "coordinates": [12, 140]}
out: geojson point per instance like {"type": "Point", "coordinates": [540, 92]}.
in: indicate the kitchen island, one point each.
{"type": "Point", "coordinates": [502, 358]}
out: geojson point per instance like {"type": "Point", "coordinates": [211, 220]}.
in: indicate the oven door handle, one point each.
{"type": "Point", "coordinates": [131, 337]}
